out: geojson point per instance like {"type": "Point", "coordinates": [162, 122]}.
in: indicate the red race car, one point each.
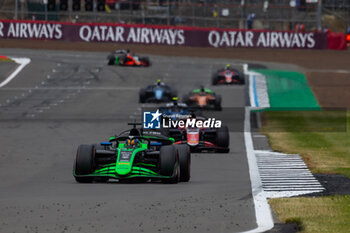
{"type": "Point", "coordinates": [202, 138]}
{"type": "Point", "coordinates": [126, 58]}
{"type": "Point", "coordinates": [228, 75]}
{"type": "Point", "coordinates": [198, 132]}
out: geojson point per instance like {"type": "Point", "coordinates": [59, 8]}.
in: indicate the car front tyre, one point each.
{"type": "Point", "coordinates": [185, 162]}
{"type": "Point", "coordinates": [223, 137]}
{"type": "Point", "coordinates": [84, 163]}
{"type": "Point", "coordinates": [169, 164]}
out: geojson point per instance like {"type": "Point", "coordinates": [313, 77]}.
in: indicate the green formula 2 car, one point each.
{"type": "Point", "coordinates": [133, 156]}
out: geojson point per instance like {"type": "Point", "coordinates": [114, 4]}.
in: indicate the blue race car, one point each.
{"type": "Point", "coordinates": [157, 93]}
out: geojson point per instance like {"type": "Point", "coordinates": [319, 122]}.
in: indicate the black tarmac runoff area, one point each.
{"type": "Point", "coordinates": [63, 99]}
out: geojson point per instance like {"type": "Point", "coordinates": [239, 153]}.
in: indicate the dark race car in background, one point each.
{"type": "Point", "coordinates": [203, 98]}
{"type": "Point", "coordinates": [157, 93]}
{"type": "Point", "coordinates": [126, 58]}
{"type": "Point", "coordinates": [133, 155]}
{"type": "Point", "coordinates": [175, 110]}
{"type": "Point", "coordinates": [228, 76]}
{"type": "Point", "coordinates": [197, 138]}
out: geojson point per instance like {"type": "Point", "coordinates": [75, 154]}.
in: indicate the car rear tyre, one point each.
{"type": "Point", "coordinates": [242, 80]}
{"type": "Point", "coordinates": [146, 61]}
{"type": "Point", "coordinates": [111, 61]}
{"type": "Point", "coordinates": [185, 162]}
{"type": "Point", "coordinates": [84, 163]}
{"type": "Point", "coordinates": [218, 103]}
{"type": "Point", "coordinates": [142, 96]}
{"type": "Point", "coordinates": [214, 80]}
{"type": "Point", "coordinates": [169, 164]}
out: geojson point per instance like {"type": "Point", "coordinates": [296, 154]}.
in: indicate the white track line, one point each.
{"type": "Point", "coordinates": [263, 214]}
{"type": "Point", "coordinates": [277, 172]}
{"type": "Point", "coordinates": [23, 62]}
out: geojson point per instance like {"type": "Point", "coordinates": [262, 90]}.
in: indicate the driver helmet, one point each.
{"type": "Point", "coordinates": [159, 82]}
{"type": "Point", "coordinates": [175, 99]}
{"type": "Point", "coordinates": [202, 89]}
{"type": "Point", "coordinates": [228, 66]}
{"type": "Point", "coordinates": [132, 142]}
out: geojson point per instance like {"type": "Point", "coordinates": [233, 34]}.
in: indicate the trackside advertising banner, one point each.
{"type": "Point", "coordinates": [161, 35]}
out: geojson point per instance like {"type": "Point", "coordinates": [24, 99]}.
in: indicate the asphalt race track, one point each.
{"type": "Point", "coordinates": [63, 99]}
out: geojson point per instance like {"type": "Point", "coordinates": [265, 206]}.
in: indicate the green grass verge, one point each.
{"type": "Point", "coordinates": [322, 138]}
{"type": "Point", "coordinates": [325, 150]}
{"type": "Point", "coordinates": [322, 214]}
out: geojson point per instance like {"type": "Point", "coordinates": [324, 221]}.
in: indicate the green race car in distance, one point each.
{"type": "Point", "coordinates": [133, 156]}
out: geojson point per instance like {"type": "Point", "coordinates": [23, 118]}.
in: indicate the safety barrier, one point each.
{"type": "Point", "coordinates": [336, 41]}
{"type": "Point", "coordinates": [164, 35]}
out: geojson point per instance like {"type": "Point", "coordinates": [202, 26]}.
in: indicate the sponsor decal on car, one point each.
{"type": "Point", "coordinates": [192, 137]}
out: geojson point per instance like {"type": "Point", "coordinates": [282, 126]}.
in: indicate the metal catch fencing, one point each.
{"type": "Point", "coordinates": [257, 14]}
